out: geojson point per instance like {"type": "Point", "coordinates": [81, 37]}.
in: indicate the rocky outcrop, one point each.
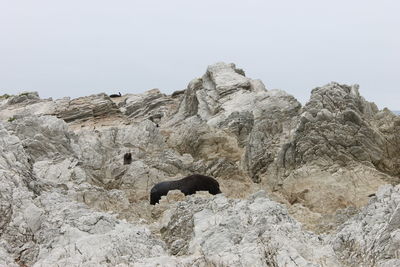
{"type": "Point", "coordinates": [253, 232]}
{"type": "Point", "coordinates": [388, 125]}
{"type": "Point", "coordinates": [335, 128]}
{"type": "Point", "coordinates": [25, 104]}
{"type": "Point", "coordinates": [335, 145]}
{"type": "Point", "coordinates": [71, 235]}
{"type": "Point", "coordinates": [40, 225]}
{"type": "Point", "coordinates": [18, 188]}
{"type": "Point", "coordinates": [25, 98]}
{"type": "Point", "coordinates": [68, 199]}
{"type": "Point", "coordinates": [225, 99]}
{"type": "Point", "coordinates": [152, 105]}
{"type": "Point", "coordinates": [84, 108]}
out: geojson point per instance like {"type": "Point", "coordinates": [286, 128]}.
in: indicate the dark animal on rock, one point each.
{"type": "Point", "coordinates": [127, 158]}
{"type": "Point", "coordinates": [116, 95]}
{"type": "Point", "coordinates": [188, 186]}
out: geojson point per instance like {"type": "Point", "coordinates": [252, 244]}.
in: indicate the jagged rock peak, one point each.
{"type": "Point", "coordinates": [336, 97]}
{"type": "Point", "coordinates": [224, 89]}
{"type": "Point", "coordinates": [226, 78]}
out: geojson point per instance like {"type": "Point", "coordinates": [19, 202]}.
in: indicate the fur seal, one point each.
{"type": "Point", "coordinates": [116, 95]}
{"type": "Point", "coordinates": [127, 158]}
{"type": "Point", "coordinates": [188, 186]}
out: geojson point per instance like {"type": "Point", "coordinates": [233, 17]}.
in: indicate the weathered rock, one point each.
{"type": "Point", "coordinates": [372, 238]}
{"type": "Point", "coordinates": [18, 187]}
{"type": "Point", "coordinates": [26, 104]}
{"type": "Point", "coordinates": [44, 137]}
{"type": "Point", "coordinates": [254, 232]}
{"type": "Point", "coordinates": [26, 98]}
{"type": "Point", "coordinates": [152, 105]}
{"type": "Point", "coordinates": [73, 235]}
{"type": "Point", "coordinates": [68, 199]}
{"type": "Point", "coordinates": [336, 152]}
{"type": "Point", "coordinates": [389, 125]}
{"type": "Point", "coordinates": [84, 108]}
{"type": "Point", "coordinates": [225, 98]}
{"type": "Point", "coordinates": [44, 228]}
{"type": "Point", "coordinates": [5, 258]}
{"type": "Point", "coordinates": [327, 191]}
{"type": "Point", "coordinates": [333, 128]}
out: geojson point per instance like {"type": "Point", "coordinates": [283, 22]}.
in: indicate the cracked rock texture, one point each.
{"type": "Point", "coordinates": [300, 183]}
{"type": "Point", "coordinates": [372, 238]}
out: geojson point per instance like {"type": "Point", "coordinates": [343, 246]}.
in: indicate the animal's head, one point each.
{"type": "Point", "coordinates": [215, 189]}
{"type": "Point", "coordinates": [154, 198]}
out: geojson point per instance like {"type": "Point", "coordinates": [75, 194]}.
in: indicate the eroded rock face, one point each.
{"type": "Point", "coordinates": [84, 108]}
{"type": "Point", "coordinates": [334, 128]}
{"type": "Point", "coordinates": [335, 145]}
{"type": "Point", "coordinates": [25, 104]}
{"type": "Point", "coordinates": [243, 233]}
{"type": "Point", "coordinates": [18, 187]}
{"type": "Point", "coordinates": [42, 226]}
{"type": "Point", "coordinates": [258, 119]}
{"type": "Point", "coordinates": [27, 98]}
{"type": "Point", "coordinates": [372, 238]}
{"type": "Point", "coordinates": [67, 198]}
{"type": "Point", "coordinates": [77, 235]}
{"type": "Point", "coordinates": [152, 105]}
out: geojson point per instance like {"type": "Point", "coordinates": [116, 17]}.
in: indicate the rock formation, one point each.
{"type": "Point", "coordinates": [372, 238]}
{"type": "Point", "coordinates": [67, 198]}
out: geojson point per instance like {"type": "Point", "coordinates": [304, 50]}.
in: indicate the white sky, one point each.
{"type": "Point", "coordinates": [75, 48]}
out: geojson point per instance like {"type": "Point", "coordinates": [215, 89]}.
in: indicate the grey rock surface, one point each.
{"type": "Point", "coordinates": [67, 199]}
{"type": "Point", "coordinates": [84, 108]}
{"type": "Point", "coordinates": [26, 98]}
{"type": "Point", "coordinates": [336, 133]}
{"type": "Point", "coordinates": [152, 105]}
{"type": "Point", "coordinates": [372, 238]}
{"type": "Point", "coordinates": [254, 232]}
{"type": "Point", "coordinates": [336, 126]}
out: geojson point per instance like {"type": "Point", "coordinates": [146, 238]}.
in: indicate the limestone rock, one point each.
{"type": "Point", "coordinates": [67, 199]}
{"type": "Point", "coordinates": [84, 108]}
{"type": "Point", "coordinates": [225, 98]}
{"type": "Point", "coordinates": [25, 104]}
{"type": "Point", "coordinates": [18, 187]}
{"type": "Point", "coordinates": [26, 98]}
{"type": "Point", "coordinates": [336, 127]}
{"type": "Point", "coordinates": [372, 238]}
{"type": "Point", "coordinates": [5, 258]}
{"type": "Point", "coordinates": [72, 235]}
{"type": "Point", "coordinates": [254, 232]}
{"type": "Point", "coordinates": [44, 137]}
{"type": "Point", "coordinates": [152, 105]}
{"type": "Point", "coordinates": [338, 148]}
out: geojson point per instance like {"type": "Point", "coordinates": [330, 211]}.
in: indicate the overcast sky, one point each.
{"type": "Point", "coordinates": [75, 48]}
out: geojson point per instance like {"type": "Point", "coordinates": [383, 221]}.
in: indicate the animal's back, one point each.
{"type": "Point", "coordinates": [198, 182]}
{"type": "Point", "coordinates": [188, 185]}
{"type": "Point", "coordinates": [161, 187]}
